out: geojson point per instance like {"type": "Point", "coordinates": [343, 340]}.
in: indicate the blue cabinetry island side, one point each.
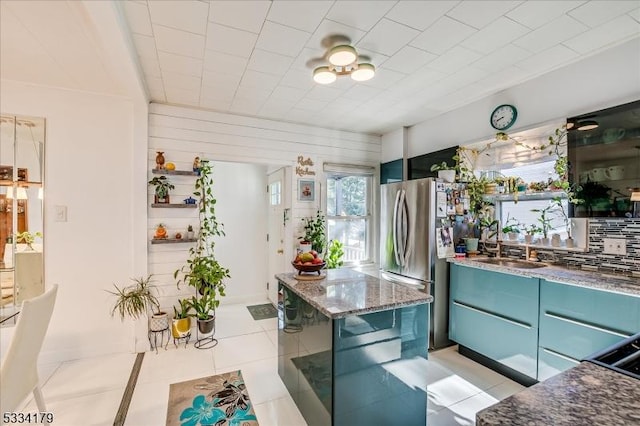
{"type": "Point", "coordinates": [352, 349]}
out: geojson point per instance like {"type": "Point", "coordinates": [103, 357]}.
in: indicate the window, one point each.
{"type": "Point", "coordinates": [275, 189]}
{"type": "Point", "coordinates": [349, 214]}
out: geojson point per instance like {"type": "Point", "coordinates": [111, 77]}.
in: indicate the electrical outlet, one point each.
{"type": "Point", "coordinates": [615, 246]}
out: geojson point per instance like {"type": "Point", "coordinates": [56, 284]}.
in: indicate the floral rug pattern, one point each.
{"type": "Point", "coordinates": [220, 400]}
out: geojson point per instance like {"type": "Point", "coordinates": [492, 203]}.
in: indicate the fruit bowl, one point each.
{"type": "Point", "coordinates": [309, 268]}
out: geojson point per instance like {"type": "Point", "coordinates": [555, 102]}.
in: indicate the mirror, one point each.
{"type": "Point", "coordinates": [21, 210]}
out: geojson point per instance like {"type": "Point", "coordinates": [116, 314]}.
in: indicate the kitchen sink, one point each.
{"type": "Point", "coordinates": [521, 264]}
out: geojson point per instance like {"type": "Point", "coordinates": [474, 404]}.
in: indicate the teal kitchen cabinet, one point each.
{"type": "Point", "coordinates": [578, 321]}
{"type": "Point", "coordinates": [496, 315]}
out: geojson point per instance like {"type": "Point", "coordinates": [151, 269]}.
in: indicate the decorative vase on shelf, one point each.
{"type": "Point", "coordinates": [159, 160]}
{"type": "Point", "coordinates": [555, 240]}
{"type": "Point", "coordinates": [569, 242]}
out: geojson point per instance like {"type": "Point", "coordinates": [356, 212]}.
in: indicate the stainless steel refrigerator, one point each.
{"type": "Point", "coordinates": [408, 254]}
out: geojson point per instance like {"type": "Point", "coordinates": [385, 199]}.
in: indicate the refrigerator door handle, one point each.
{"type": "Point", "coordinates": [408, 229]}
{"type": "Point", "coordinates": [396, 205]}
{"type": "Point", "coordinates": [402, 241]}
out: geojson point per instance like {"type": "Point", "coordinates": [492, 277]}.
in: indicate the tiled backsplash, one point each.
{"type": "Point", "coordinates": [599, 229]}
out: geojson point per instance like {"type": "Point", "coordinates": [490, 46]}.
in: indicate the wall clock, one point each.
{"type": "Point", "coordinates": [503, 117]}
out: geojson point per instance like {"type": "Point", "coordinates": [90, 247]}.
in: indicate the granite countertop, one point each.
{"type": "Point", "coordinates": [587, 394]}
{"type": "Point", "coordinates": [618, 283]}
{"type": "Point", "coordinates": [344, 292]}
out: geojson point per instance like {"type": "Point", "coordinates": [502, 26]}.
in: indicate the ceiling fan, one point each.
{"type": "Point", "coordinates": [339, 59]}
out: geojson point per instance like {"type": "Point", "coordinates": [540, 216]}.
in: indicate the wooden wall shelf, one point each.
{"type": "Point", "coordinates": [172, 240]}
{"type": "Point", "coordinates": [174, 172]}
{"type": "Point", "coordinates": [174, 206]}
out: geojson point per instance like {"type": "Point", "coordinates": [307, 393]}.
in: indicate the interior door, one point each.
{"type": "Point", "coordinates": [277, 188]}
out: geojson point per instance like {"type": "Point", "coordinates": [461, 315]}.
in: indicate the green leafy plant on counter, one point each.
{"type": "Point", "coordinates": [315, 232]}
{"type": "Point", "coordinates": [334, 259]}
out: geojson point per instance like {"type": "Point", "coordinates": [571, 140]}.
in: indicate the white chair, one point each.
{"type": "Point", "coordinates": [19, 370]}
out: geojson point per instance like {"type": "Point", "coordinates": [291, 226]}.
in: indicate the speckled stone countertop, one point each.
{"type": "Point", "coordinates": [618, 283]}
{"type": "Point", "coordinates": [345, 292]}
{"type": "Point", "coordinates": [587, 394]}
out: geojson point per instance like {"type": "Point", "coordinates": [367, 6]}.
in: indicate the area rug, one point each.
{"type": "Point", "coordinates": [316, 368]}
{"type": "Point", "coordinates": [220, 400]}
{"type": "Point", "coordinates": [260, 312]}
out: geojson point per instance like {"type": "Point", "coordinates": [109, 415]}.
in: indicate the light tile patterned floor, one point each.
{"type": "Point", "coordinates": [88, 391]}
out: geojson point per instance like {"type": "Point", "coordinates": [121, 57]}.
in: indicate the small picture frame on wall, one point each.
{"type": "Point", "coordinates": [306, 190]}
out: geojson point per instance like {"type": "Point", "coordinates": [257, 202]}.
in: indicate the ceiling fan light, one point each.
{"type": "Point", "coordinates": [342, 55]}
{"type": "Point", "coordinates": [587, 125]}
{"type": "Point", "coordinates": [364, 72]}
{"type": "Point", "coordinates": [323, 75]}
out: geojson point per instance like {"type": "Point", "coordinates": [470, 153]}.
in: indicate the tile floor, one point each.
{"type": "Point", "coordinates": [88, 391]}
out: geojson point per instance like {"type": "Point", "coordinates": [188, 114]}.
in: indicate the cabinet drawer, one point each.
{"type": "Point", "coordinates": [508, 342]}
{"type": "Point", "coordinates": [507, 295]}
{"type": "Point", "coordinates": [551, 363]}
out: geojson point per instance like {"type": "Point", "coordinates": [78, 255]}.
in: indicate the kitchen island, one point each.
{"type": "Point", "coordinates": [352, 348]}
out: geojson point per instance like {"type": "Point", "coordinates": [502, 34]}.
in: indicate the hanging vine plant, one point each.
{"type": "Point", "coordinates": [202, 270]}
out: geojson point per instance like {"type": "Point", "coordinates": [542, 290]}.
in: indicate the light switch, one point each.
{"type": "Point", "coordinates": [614, 246]}
{"type": "Point", "coordinates": [60, 213]}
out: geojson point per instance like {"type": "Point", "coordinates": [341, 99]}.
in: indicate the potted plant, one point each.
{"type": "Point", "coordinates": [181, 324]}
{"type": "Point", "coordinates": [315, 232]}
{"type": "Point", "coordinates": [511, 228]}
{"type": "Point", "coordinates": [28, 238]}
{"type": "Point", "coordinates": [565, 217]}
{"type": "Point", "coordinates": [202, 270]}
{"type": "Point", "coordinates": [189, 232]}
{"type": "Point", "coordinates": [138, 299]}
{"type": "Point", "coordinates": [445, 172]}
{"type": "Point", "coordinates": [545, 221]}
{"type": "Point", "coordinates": [162, 186]}
{"type": "Point", "coordinates": [203, 306]}
{"type": "Point", "coordinates": [334, 258]}
{"type": "Point", "coordinates": [531, 230]}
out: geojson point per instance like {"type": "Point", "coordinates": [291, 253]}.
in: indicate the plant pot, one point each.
{"type": "Point", "coordinates": [159, 321]}
{"type": "Point", "coordinates": [208, 325]}
{"type": "Point", "coordinates": [180, 327]}
{"type": "Point", "coordinates": [161, 200]}
{"type": "Point", "coordinates": [528, 238]}
{"type": "Point", "coordinates": [513, 235]}
{"type": "Point", "coordinates": [291, 312]}
{"type": "Point", "coordinates": [305, 246]}
{"type": "Point", "coordinates": [447, 175]}
{"type": "Point", "coordinates": [189, 235]}
{"type": "Point", "coordinates": [544, 241]}
{"type": "Point", "coordinates": [570, 242]}
{"type": "Point", "coordinates": [555, 240]}
{"type": "Point", "coordinates": [471, 244]}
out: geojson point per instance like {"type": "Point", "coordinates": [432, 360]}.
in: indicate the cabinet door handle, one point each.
{"type": "Point", "coordinates": [559, 355]}
{"type": "Point", "coordinates": [583, 324]}
{"type": "Point", "coordinates": [280, 251]}
{"type": "Point", "coordinates": [491, 314]}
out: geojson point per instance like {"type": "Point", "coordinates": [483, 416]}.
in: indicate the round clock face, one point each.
{"type": "Point", "coordinates": [503, 117]}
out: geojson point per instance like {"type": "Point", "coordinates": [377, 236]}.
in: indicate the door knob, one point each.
{"type": "Point", "coordinates": [280, 251]}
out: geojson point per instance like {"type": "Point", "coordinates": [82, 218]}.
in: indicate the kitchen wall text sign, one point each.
{"type": "Point", "coordinates": [302, 169]}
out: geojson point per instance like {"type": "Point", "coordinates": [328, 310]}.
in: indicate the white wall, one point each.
{"type": "Point", "coordinates": [603, 80]}
{"type": "Point", "coordinates": [89, 168]}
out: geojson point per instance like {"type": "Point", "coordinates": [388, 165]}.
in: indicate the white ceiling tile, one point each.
{"type": "Point", "coordinates": [464, 77]}
{"type": "Point", "coordinates": [384, 79]}
{"type": "Point", "coordinates": [220, 92]}
{"type": "Point", "coordinates": [359, 14]}
{"type": "Point", "coordinates": [361, 93]}
{"type": "Point", "coordinates": [342, 104]}
{"type": "Point", "coordinates": [253, 93]}
{"type": "Point", "coordinates": [243, 15]}
{"type": "Point", "coordinates": [635, 14]}
{"type": "Point", "coordinates": [442, 35]}
{"type": "Point", "coordinates": [323, 92]}
{"type": "Point", "coordinates": [594, 13]}
{"type": "Point", "coordinates": [454, 59]}
{"type": "Point", "coordinates": [553, 33]}
{"type": "Point", "coordinates": [548, 60]}
{"type": "Point", "coordinates": [504, 78]}
{"type": "Point", "coordinates": [374, 58]}
{"type": "Point", "coordinates": [387, 37]}
{"type": "Point", "coordinates": [480, 13]}
{"type": "Point", "coordinates": [269, 62]}
{"type": "Point", "coordinates": [145, 45]}
{"type": "Point", "coordinates": [260, 80]}
{"type": "Point", "coordinates": [408, 59]}
{"type": "Point", "coordinates": [230, 40]}
{"type": "Point", "coordinates": [276, 106]}
{"type": "Point", "coordinates": [492, 37]}
{"type": "Point", "coordinates": [302, 115]}
{"type": "Point", "coordinates": [502, 58]}
{"type": "Point", "coordinates": [311, 104]}
{"type": "Point", "coordinates": [298, 79]}
{"type": "Point", "coordinates": [179, 42]}
{"type": "Point", "coordinates": [181, 96]}
{"type": "Point", "coordinates": [183, 15]}
{"type": "Point", "coordinates": [534, 14]}
{"type": "Point", "coordinates": [420, 14]}
{"type": "Point", "coordinates": [180, 64]}
{"type": "Point", "coordinates": [303, 15]}
{"type": "Point", "coordinates": [211, 78]}
{"type": "Point", "coordinates": [215, 104]}
{"type": "Point", "coordinates": [329, 27]}
{"type": "Point", "coordinates": [180, 81]}
{"type": "Point", "coordinates": [290, 94]}
{"type": "Point", "coordinates": [223, 62]}
{"type": "Point", "coordinates": [245, 106]}
{"type": "Point", "coordinates": [138, 18]}
{"type": "Point", "coordinates": [615, 31]}
{"type": "Point", "coordinates": [343, 83]}
{"type": "Point", "coordinates": [280, 39]}
{"type": "Point", "coordinates": [150, 66]}
{"type": "Point", "coordinates": [306, 55]}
